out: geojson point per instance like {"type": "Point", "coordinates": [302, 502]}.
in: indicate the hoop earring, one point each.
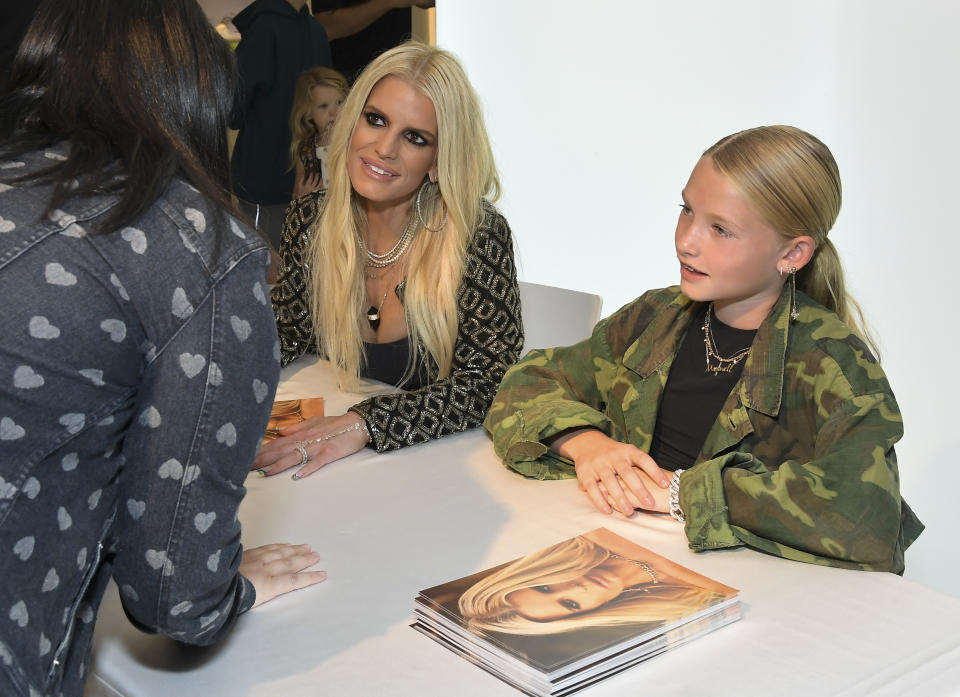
{"type": "Point", "coordinates": [420, 217]}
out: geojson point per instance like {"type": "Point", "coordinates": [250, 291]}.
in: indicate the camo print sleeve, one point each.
{"type": "Point", "coordinates": [841, 508]}
{"type": "Point", "coordinates": [549, 391]}
{"type": "Point", "coordinates": [799, 463]}
{"type": "Point", "coordinates": [816, 481]}
{"type": "Point", "coordinates": [556, 389]}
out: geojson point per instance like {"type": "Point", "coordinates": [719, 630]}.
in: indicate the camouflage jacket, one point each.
{"type": "Point", "coordinates": [799, 462]}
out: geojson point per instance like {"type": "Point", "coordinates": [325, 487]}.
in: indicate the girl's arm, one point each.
{"type": "Point", "coordinates": [550, 394]}
{"type": "Point", "coordinates": [551, 418]}
{"type": "Point", "coordinates": [842, 507]}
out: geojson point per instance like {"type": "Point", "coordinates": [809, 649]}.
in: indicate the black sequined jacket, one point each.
{"type": "Point", "coordinates": [489, 337]}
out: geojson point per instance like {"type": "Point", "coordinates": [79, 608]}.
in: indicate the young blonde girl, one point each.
{"type": "Point", "coordinates": [318, 95]}
{"type": "Point", "coordinates": [745, 402]}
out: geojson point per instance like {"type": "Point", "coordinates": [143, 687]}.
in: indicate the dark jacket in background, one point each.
{"type": "Point", "coordinates": [14, 19]}
{"type": "Point", "coordinates": [352, 53]}
{"type": "Point", "coordinates": [277, 44]}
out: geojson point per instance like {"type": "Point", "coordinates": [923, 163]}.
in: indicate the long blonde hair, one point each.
{"type": "Point", "coordinates": [791, 179]}
{"type": "Point", "coordinates": [466, 174]}
{"type": "Point", "coordinates": [485, 606]}
{"type": "Point", "coordinates": [301, 127]}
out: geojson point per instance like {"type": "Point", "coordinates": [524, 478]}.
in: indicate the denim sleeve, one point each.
{"type": "Point", "coordinates": [203, 406]}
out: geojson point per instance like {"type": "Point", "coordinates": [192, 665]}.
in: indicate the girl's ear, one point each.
{"type": "Point", "coordinates": [432, 173]}
{"type": "Point", "coordinates": [799, 252]}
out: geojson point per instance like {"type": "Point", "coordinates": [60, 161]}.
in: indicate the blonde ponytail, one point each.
{"type": "Point", "coordinates": [792, 180]}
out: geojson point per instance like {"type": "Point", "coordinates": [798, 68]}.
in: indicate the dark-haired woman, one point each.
{"type": "Point", "coordinates": [127, 420]}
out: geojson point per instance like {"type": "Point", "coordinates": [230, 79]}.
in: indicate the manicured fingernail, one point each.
{"type": "Point", "coordinates": [296, 476]}
{"type": "Point", "coordinates": [664, 483]}
{"type": "Point", "coordinates": [262, 473]}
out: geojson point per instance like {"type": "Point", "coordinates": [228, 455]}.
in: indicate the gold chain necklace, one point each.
{"type": "Point", "coordinates": [723, 365]}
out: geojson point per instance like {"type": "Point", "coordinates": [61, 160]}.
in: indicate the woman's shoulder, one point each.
{"type": "Point", "coordinates": [492, 223]}
{"type": "Point", "coordinates": [492, 239]}
{"type": "Point", "coordinates": [300, 215]}
{"type": "Point", "coordinates": [206, 233]}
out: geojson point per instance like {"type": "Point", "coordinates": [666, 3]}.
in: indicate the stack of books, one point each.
{"type": "Point", "coordinates": [570, 615]}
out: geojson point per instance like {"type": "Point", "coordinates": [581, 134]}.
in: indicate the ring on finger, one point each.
{"type": "Point", "coordinates": [304, 456]}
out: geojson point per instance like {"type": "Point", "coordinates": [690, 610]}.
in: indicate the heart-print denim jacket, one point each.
{"type": "Point", "coordinates": [137, 370]}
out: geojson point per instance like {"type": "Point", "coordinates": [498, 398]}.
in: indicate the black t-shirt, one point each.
{"type": "Point", "coordinates": [693, 395]}
{"type": "Point", "coordinates": [352, 53]}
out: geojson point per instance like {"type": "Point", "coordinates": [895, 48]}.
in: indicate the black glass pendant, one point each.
{"type": "Point", "coordinates": [373, 317]}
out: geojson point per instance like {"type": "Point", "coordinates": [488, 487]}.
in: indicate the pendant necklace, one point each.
{"type": "Point", "coordinates": [723, 365]}
{"type": "Point", "coordinates": [373, 313]}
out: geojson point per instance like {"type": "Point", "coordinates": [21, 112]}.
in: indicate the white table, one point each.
{"type": "Point", "coordinates": [389, 525]}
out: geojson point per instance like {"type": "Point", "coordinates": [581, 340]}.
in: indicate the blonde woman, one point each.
{"type": "Point", "coordinates": [592, 580]}
{"type": "Point", "coordinates": [746, 402]}
{"type": "Point", "coordinates": [402, 270]}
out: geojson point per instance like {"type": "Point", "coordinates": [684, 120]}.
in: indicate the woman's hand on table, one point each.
{"type": "Point", "coordinates": [614, 475]}
{"type": "Point", "coordinates": [323, 439]}
{"type": "Point", "coordinates": [276, 569]}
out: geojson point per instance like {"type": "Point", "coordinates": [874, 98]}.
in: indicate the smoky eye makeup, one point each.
{"type": "Point", "coordinates": [417, 139]}
{"type": "Point", "coordinates": [374, 118]}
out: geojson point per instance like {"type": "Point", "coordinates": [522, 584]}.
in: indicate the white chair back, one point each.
{"type": "Point", "coordinates": [556, 316]}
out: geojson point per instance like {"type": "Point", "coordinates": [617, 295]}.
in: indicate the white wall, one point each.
{"type": "Point", "coordinates": [216, 10]}
{"type": "Point", "coordinates": [598, 115]}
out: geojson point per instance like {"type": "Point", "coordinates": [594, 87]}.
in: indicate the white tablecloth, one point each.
{"type": "Point", "coordinates": [389, 525]}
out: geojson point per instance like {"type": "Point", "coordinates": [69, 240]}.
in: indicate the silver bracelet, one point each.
{"type": "Point", "coordinates": [361, 425]}
{"type": "Point", "coordinates": [675, 511]}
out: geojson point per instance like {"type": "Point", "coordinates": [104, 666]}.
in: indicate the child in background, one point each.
{"type": "Point", "coordinates": [318, 94]}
